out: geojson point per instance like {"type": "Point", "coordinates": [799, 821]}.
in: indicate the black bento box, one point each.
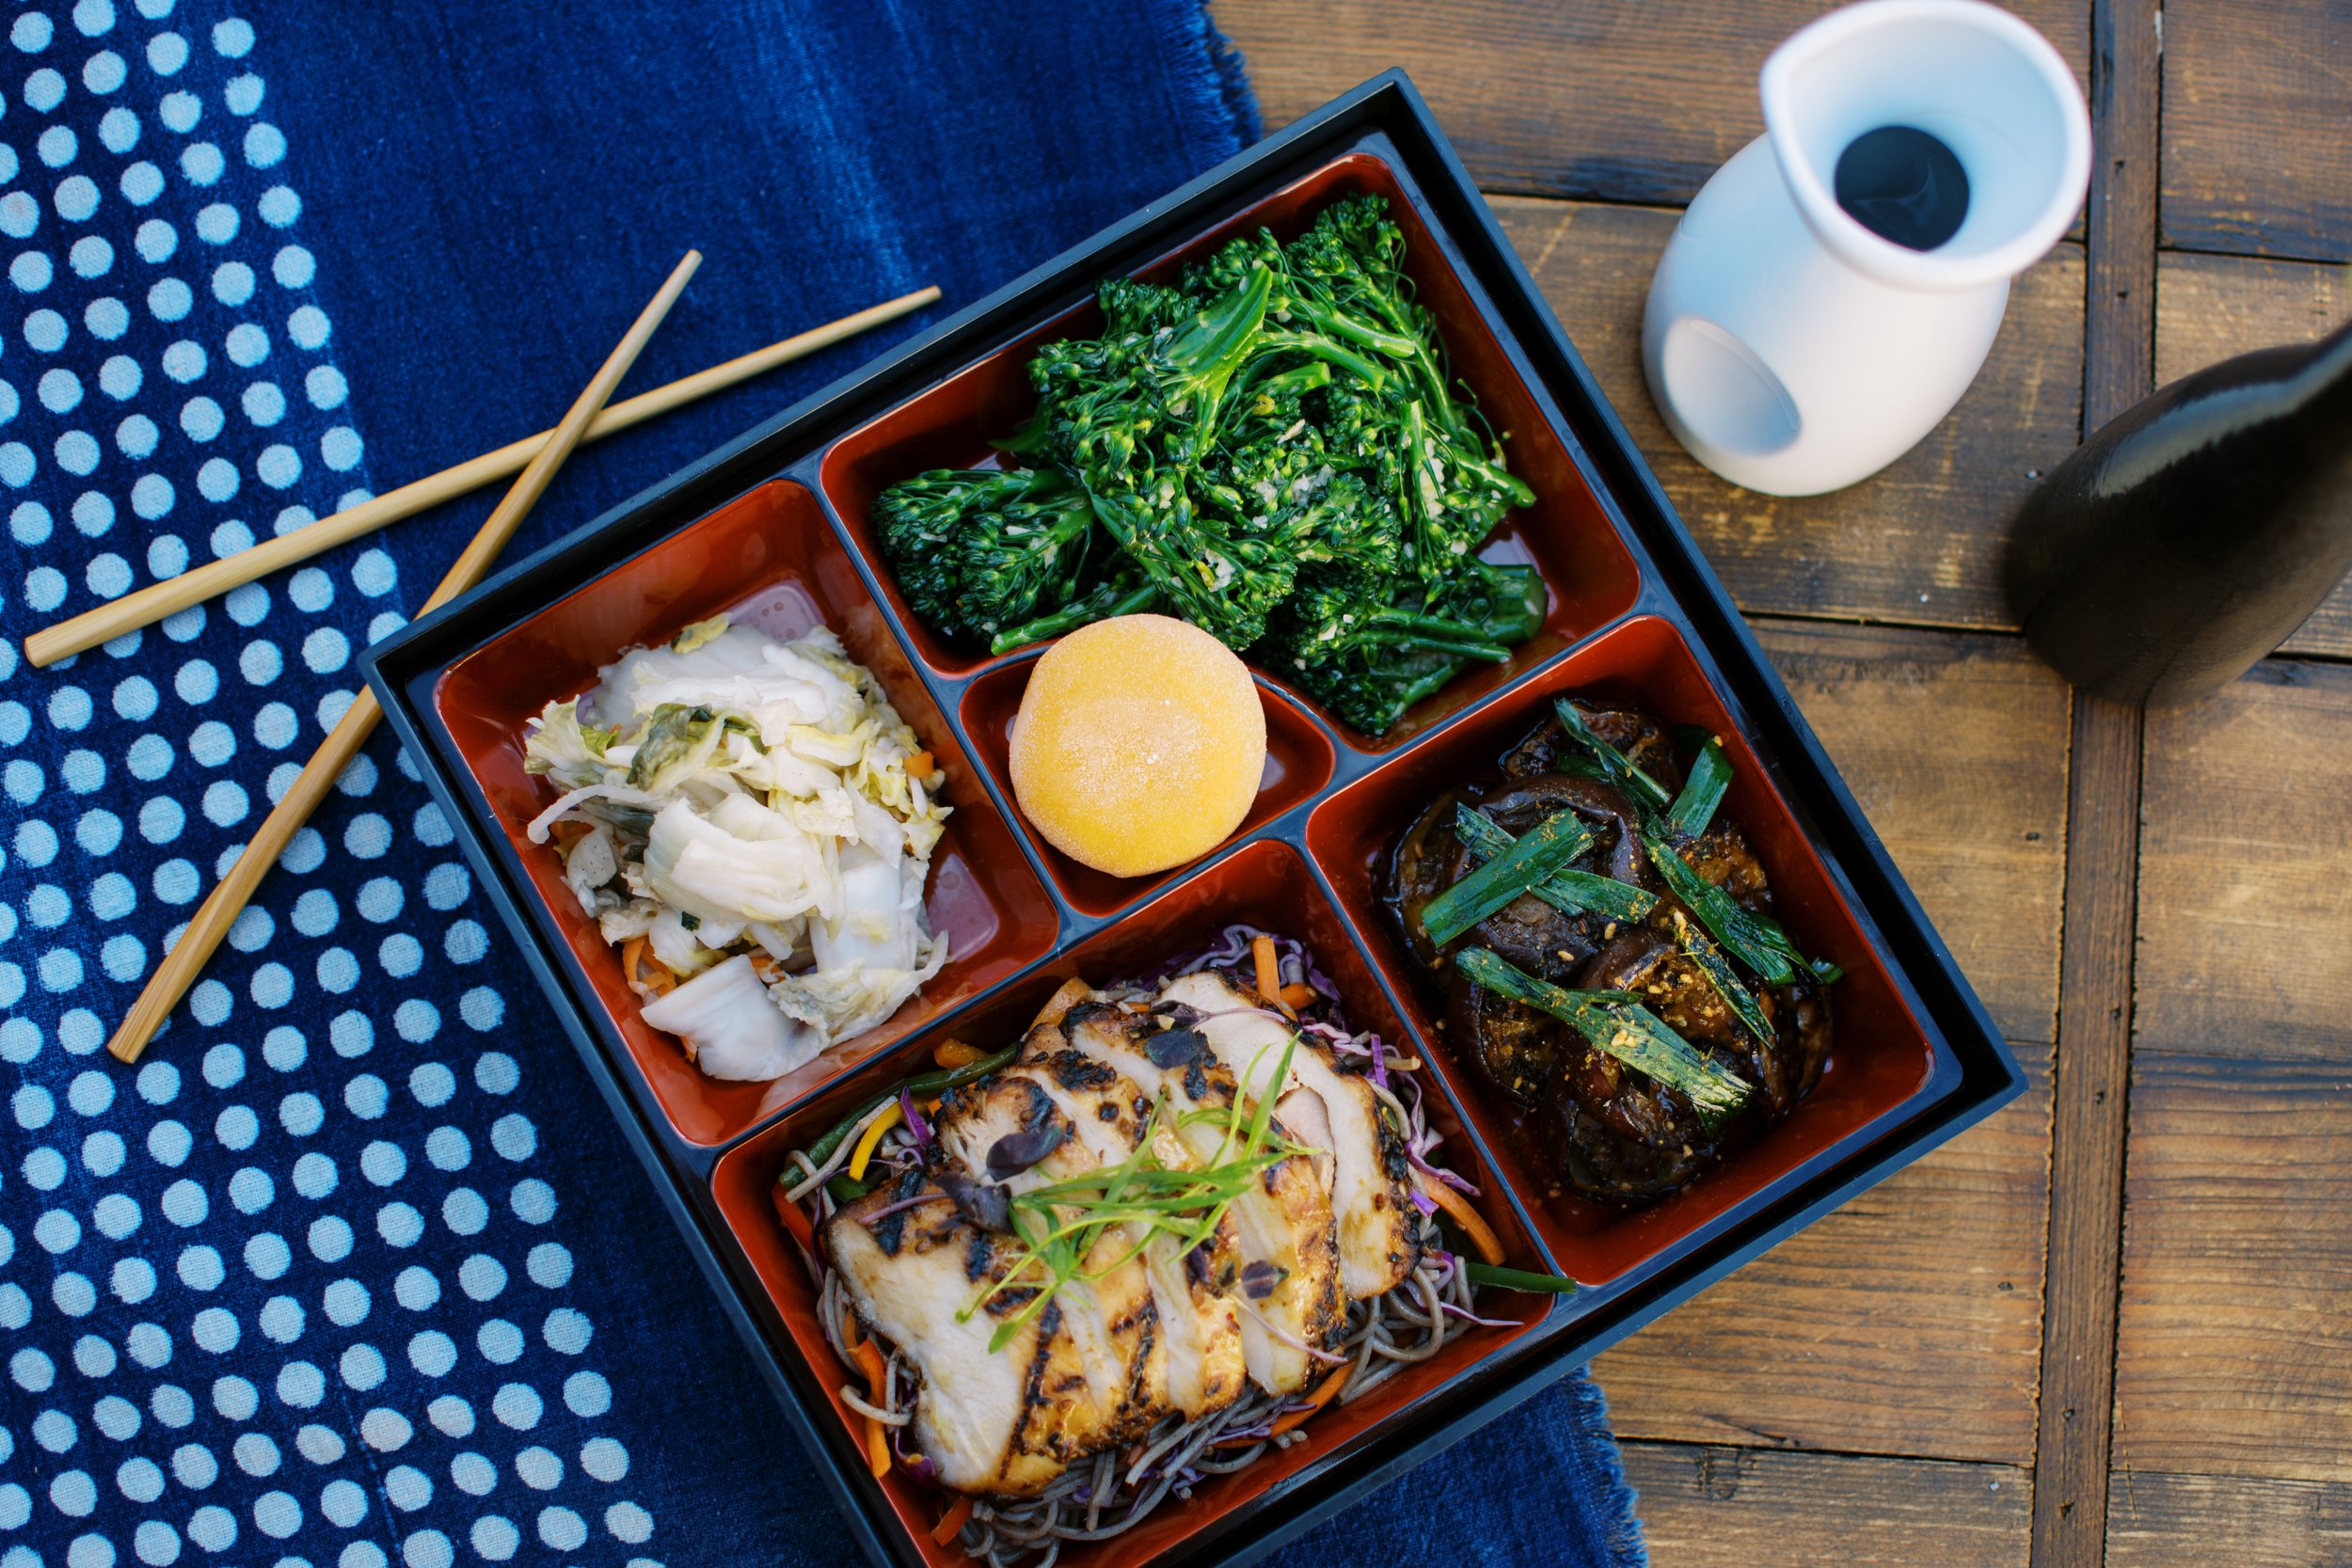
{"type": "Point", "coordinates": [772, 528]}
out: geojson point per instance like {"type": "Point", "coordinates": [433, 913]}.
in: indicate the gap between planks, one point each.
{"type": "Point", "coordinates": [2090, 1117]}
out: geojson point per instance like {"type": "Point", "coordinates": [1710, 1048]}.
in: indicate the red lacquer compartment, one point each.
{"type": "Point", "coordinates": [1878, 1059]}
{"type": "Point", "coordinates": [769, 561]}
{"type": "Point", "coordinates": [1298, 763]}
{"type": "Point", "coordinates": [1589, 576]}
{"type": "Point", "coordinates": [1268, 885]}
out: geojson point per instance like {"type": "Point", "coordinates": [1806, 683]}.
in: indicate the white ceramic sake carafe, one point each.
{"type": "Point", "coordinates": [1791, 349]}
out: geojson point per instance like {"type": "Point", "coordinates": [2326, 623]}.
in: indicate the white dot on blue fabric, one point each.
{"type": "Point", "coordinates": [300, 1113]}
{"type": "Point", "coordinates": [416, 1021]}
{"type": "Point", "coordinates": [301, 1385]}
{"type": "Point", "coordinates": [200, 1269]}
{"type": "Point", "coordinates": [587, 1394]}
{"type": "Point", "coordinates": [383, 1164]}
{"type": "Point", "coordinates": [431, 1084]}
{"type": "Point", "coordinates": [345, 1302]}
{"type": "Point", "coordinates": [465, 1211]}
{"type": "Point", "coordinates": [307, 851]}
{"type": "Point", "coordinates": [237, 1128]}
{"type": "Point", "coordinates": [361, 1367]}
{"type": "Point", "coordinates": [330, 1237]}
{"type": "Point", "coordinates": [366, 1097]}
{"type": "Point", "coordinates": [338, 971]}
{"type": "Point", "coordinates": [399, 1224]}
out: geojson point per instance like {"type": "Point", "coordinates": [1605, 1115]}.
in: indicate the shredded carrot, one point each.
{"type": "Point", "coordinates": [1295, 997]}
{"type": "Point", "coordinates": [873, 1135]}
{"type": "Point", "coordinates": [876, 1371]}
{"type": "Point", "coordinates": [850, 1335]}
{"type": "Point", "coordinates": [954, 1053]}
{"type": "Point", "coordinates": [796, 1221]}
{"type": "Point", "coordinates": [920, 766]}
{"type": "Point", "coordinates": [766, 966]}
{"type": "Point", "coordinates": [1269, 971]}
{"type": "Point", "coordinates": [1326, 1391]}
{"type": "Point", "coordinates": [1458, 1209]}
{"type": "Point", "coordinates": [876, 1447]}
{"type": "Point", "coordinates": [656, 980]}
{"type": "Point", "coordinates": [1070, 996]}
{"type": "Point", "coordinates": [571, 828]}
{"type": "Point", "coordinates": [931, 1107]}
{"type": "Point", "coordinates": [951, 1523]}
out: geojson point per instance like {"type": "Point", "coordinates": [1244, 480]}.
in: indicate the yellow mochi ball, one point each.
{"type": "Point", "coordinates": [1140, 744]}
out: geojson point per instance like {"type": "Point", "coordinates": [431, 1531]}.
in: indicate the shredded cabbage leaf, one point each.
{"type": "Point", "coordinates": [742, 808]}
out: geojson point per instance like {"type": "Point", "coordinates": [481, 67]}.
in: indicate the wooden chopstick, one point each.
{"type": "Point", "coordinates": [152, 603]}
{"type": "Point", "coordinates": [187, 959]}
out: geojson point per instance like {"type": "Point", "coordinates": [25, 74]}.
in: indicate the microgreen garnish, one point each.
{"type": "Point", "coordinates": [1057, 1225]}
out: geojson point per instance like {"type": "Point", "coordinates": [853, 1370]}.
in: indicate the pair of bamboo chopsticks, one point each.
{"type": "Point", "coordinates": [538, 457]}
{"type": "Point", "coordinates": [152, 604]}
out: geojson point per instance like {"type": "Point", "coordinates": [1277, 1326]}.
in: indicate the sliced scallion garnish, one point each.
{"type": "Point", "coordinates": [1628, 1031]}
{"type": "Point", "coordinates": [1710, 960]}
{"type": "Point", "coordinates": [1516, 1279]}
{"type": "Point", "coordinates": [1701, 792]}
{"type": "Point", "coordinates": [1616, 765]}
{"type": "Point", "coordinates": [1547, 848]}
{"type": "Point", "coordinates": [1569, 892]}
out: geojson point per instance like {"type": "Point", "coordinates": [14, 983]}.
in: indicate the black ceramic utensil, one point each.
{"type": "Point", "coordinates": [2191, 536]}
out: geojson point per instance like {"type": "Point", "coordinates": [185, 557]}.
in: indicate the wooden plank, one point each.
{"type": "Point", "coordinates": [1736, 1507]}
{"type": "Point", "coordinates": [1920, 543]}
{"type": "Point", "coordinates": [2210, 307]}
{"type": "Point", "coordinates": [2213, 308]}
{"type": "Point", "coordinates": [2160, 1520]}
{"type": "Point", "coordinates": [2236, 1352]}
{"type": "Point", "coordinates": [1909, 1321]}
{"type": "Point", "coordinates": [2087, 1124]}
{"type": "Point", "coordinates": [2235, 1355]}
{"type": "Point", "coordinates": [1614, 100]}
{"type": "Point", "coordinates": [2255, 95]}
{"type": "Point", "coordinates": [2244, 871]}
{"type": "Point", "coordinates": [1954, 745]}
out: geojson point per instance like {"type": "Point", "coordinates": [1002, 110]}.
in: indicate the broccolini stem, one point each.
{"type": "Point", "coordinates": [1071, 617]}
{"type": "Point", "coordinates": [1435, 634]}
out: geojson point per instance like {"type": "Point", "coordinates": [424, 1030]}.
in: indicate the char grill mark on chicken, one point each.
{"type": "Point", "coordinates": [1199, 1327]}
{"type": "Point", "coordinates": [1327, 1109]}
{"type": "Point", "coordinates": [1003, 1422]}
{"type": "Point", "coordinates": [1611, 1131]}
{"type": "Point", "coordinates": [1114, 1319]}
{"type": "Point", "coordinates": [1287, 1237]}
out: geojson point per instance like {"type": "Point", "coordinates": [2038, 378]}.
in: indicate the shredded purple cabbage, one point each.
{"type": "Point", "coordinates": [917, 1128]}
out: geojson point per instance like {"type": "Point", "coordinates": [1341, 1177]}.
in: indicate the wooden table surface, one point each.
{"type": "Point", "coordinates": [2110, 1323]}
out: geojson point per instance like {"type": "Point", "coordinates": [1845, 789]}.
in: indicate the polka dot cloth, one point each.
{"type": "Point", "coordinates": [300, 1289]}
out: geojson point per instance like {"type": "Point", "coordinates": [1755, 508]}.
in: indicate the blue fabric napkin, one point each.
{"type": "Point", "coordinates": [353, 1269]}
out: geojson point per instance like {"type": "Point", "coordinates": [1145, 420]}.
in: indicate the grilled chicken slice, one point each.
{"type": "Point", "coordinates": [1002, 1422]}
{"type": "Point", "coordinates": [1288, 1287]}
{"type": "Point", "coordinates": [1199, 1326]}
{"type": "Point", "coordinates": [1371, 1179]}
{"type": "Point", "coordinates": [1114, 1319]}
